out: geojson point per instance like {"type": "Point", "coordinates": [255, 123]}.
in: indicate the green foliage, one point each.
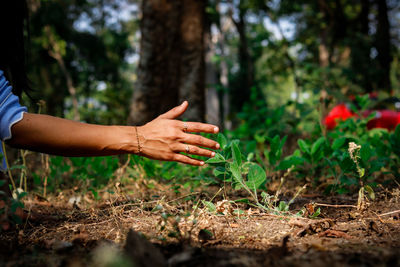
{"type": "Point", "coordinates": [90, 173]}
{"type": "Point", "coordinates": [230, 167]}
{"type": "Point", "coordinates": [328, 157]}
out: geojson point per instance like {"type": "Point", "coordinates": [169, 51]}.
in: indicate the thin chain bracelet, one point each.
{"type": "Point", "coordinates": [138, 142]}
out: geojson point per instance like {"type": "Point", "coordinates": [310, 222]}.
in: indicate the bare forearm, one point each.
{"type": "Point", "coordinates": [58, 136]}
{"type": "Point", "coordinates": [164, 138]}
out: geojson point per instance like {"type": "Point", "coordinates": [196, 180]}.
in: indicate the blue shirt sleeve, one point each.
{"type": "Point", "coordinates": [11, 111]}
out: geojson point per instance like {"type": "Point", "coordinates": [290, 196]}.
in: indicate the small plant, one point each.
{"type": "Point", "coordinates": [11, 207]}
{"type": "Point", "coordinates": [354, 151]}
{"type": "Point", "coordinates": [232, 166]}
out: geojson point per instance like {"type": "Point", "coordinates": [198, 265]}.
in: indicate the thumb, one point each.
{"type": "Point", "coordinates": [175, 112]}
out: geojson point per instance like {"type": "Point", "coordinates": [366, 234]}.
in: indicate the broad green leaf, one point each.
{"type": "Point", "coordinates": [236, 154]}
{"type": "Point", "coordinates": [338, 143]}
{"type": "Point", "coordinates": [237, 176]}
{"type": "Point", "coordinates": [222, 141]}
{"type": "Point", "coordinates": [256, 177]}
{"type": "Point", "coordinates": [289, 162]}
{"type": "Point", "coordinates": [317, 144]}
{"type": "Point", "coordinates": [365, 152]}
{"type": "Point", "coordinates": [218, 158]}
{"type": "Point", "coordinates": [303, 146]}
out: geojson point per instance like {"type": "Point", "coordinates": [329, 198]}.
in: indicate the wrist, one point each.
{"type": "Point", "coordinates": [126, 142]}
{"type": "Point", "coordinates": [139, 147]}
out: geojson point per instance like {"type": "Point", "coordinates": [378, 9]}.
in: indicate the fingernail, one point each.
{"type": "Point", "coordinates": [212, 154]}
{"type": "Point", "coordinates": [216, 130]}
{"type": "Point", "coordinates": [201, 163]}
{"type": "Point", "coordinates": [217, 146]}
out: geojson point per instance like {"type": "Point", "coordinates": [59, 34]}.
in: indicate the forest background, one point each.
{"type": "Point", "coordinates": [266, 72]}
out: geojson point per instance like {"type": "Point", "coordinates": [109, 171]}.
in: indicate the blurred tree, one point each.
{"type": "Point", "coordinates": [383, 46]}
{"type": "Point", "coordinates": [171, 67]}
{"type": "Point", "coordinates": [77, 49]}
{"type": "Point", "coordinates": [343, 34]}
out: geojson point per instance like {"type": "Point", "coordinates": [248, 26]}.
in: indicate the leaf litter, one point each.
{"type": "Point", "coordinates": [179, 230]}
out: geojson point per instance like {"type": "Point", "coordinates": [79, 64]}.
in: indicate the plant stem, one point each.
{"type": "Point", "coordinates": [8, 167]}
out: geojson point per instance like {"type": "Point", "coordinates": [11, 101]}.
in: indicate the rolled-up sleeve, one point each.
{"type": "Point", "coordinates": [11, 111]}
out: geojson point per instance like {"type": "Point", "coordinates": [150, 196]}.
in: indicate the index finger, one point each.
{"type": "Point", "coordinates": [198, 127]}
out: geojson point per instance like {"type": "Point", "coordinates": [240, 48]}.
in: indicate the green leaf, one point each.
{"type": "Point", "coordinates": [370, 191]}
{"type": "Point", "coordinates": [219, 171]}
{"type": "Point", "coordinates": [218, 158]}
{"type": "Point", "coordinates": [316, 213]}
{"type": "Point", "coordinates": [236, 154]}
{"type": "Point", "coordinates": [16, 204]}
{"type": "Point", "coordinates": [17, 167]}
{"type": "Point", "coordinates": [211, 207]}
{"type": "Point", "coordinates": [275, 142]}
{"type": "Point", "coordinates": [303, 146]}
{"type": "Point", "coordinates": [283, 206]}
{"type": "Point", "coordinates": [317, 144]}
{"type": "Point", "coordinates": [365, 153]}
{"type": "Point", "coordinates": [361, 172]}
{"type": "Point", "coordinates": [256, 177]}
{"type": "Point", "coordinates": [283, 141]}
{"type": "Point", "coordinates": [289, 162]}
{"type": "Point", "coordinates": [222, 141]}
{"type": "Point", "coordinates": [250, 156]}
{"type": "Point", "coordinates": [338, 143]}
{"type": "Point", "coordinates": [260, 138]}
{"type": "Point", "coordinates": [2, 182]}
{"type": "Point", "coordinates": [22, 195]}
{"type": "Point", "coordinates": [242, 200]}
{"type": "Point", "coordinates": [237, 176]}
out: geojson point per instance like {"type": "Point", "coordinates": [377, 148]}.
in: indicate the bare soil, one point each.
{"type": "Point", "coordinates": [75, 230]}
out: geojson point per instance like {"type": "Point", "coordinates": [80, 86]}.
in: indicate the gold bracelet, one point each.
{"type": "Point", "coordinates": [138, 142]}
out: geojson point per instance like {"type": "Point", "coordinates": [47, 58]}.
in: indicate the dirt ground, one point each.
{"type": "Point", "coordinates": [159, 229]}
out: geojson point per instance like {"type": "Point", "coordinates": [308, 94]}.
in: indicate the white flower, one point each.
{"type": "Point", "coordinates": [353, 150]}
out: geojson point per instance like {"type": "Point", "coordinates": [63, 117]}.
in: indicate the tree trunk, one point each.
{"type": "Point", "coordinates": [361, 50]}
{"type": "Point", "coordinates": [383, 46]}
{"type": "Point", "coordinates": [212, 99]}
{"type": "Point", "coordinates": [241, 92]}
{"type": "Point", "coordinates": [171, 66]}
{"type": "Point", "coordinates": [323, 50]}
{"type": "Point", "coordinates": [225, 107]}
{"type": "Point", "coordinates": [192, 68]}
{"type": "Point", "coordinates": [158, 75]}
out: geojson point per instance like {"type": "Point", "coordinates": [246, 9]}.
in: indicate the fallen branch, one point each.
{"type": "Point", "coordinates": [389, 213]}
{"type": "Point", "coordinates": [334, 206]}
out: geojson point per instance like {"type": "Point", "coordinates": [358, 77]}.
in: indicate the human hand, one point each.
{"type": "Point", "coordinates": [164, 138]}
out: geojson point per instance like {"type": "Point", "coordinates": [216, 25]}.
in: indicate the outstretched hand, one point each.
{"type": "Point", "coordinates": [165, 138]}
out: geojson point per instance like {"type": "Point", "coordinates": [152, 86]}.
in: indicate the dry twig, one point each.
{"type": "Point", "coordinates": [389, 213]}
{"type": "Point", "coordinates": [334, 206]}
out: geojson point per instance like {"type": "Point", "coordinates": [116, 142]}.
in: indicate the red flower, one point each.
{"type": "Point", "coordinates": [339, 112]}
{"type": "Point", "coordinates": [387, 119]}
